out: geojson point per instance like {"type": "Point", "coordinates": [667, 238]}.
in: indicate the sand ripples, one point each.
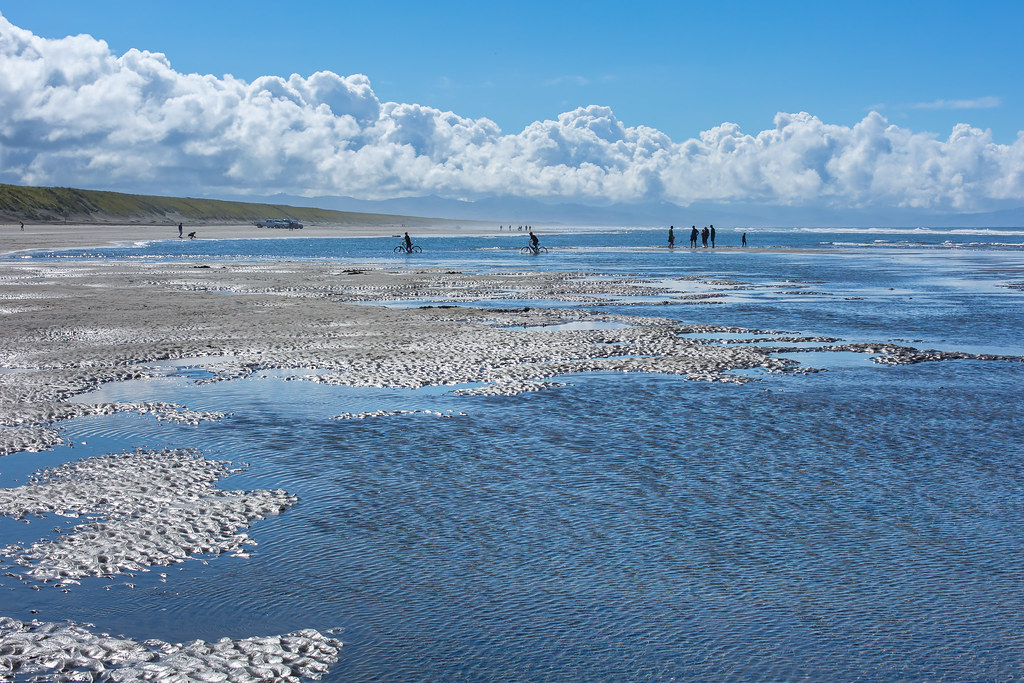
{"type": "Point", "coordinates": [612, 528]}
{"type": "Point", "coordinates": [535, 548]}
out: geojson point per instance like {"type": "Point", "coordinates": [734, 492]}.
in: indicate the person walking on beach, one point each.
{"type": "Point", "coordinates": [744, 243]}
{"type": "Point", "coordinates": [712, 237]}
{"type": "Point", "coordinates": [693, 235]}
{"type": "Point", "coordinates": [704, 237]}
{"type": "Point", "coordinates": [671, 238]}
{"type": "Point", "coordinates": [22, 226]}
{"type": "Point", "coordinates": [179, 231]}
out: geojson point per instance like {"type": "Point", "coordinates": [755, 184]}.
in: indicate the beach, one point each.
{"type": "Point", "coordinates": [80, 235]}
{"type": "Point", "coordinates": [75, 329]}
{"type": "Point", "coordinates": [83, 325]}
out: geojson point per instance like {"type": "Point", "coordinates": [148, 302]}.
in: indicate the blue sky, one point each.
{"type": "Point", "coordinates": [902, 105]}
{"type": "Point", "coordinates": [681, 67]}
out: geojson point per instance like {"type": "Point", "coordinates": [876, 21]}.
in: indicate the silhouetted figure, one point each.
{"type": "Point", "coordinates": [671, 238]}
{"type": "Point", "coordinates": [192, 235]}
{"type": "Point", "coordinates": [534, 242]}
{"type": "Point", "coordinates": [408, 243]}
{"type": "Point", "coordinates": [744, 239]}
{"type": "Point", "coordinates": [179, 231]}
{"type": "Point", "coordinates": [704, 236]}
{"type": "Point", "coordinates": [712, 237]}
{"type": "Point", "coordinates": [693, 236]}
{"type": "Point", "coordinates": [22, 226]}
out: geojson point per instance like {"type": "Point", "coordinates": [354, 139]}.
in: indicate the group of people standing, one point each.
{"type": "Point", "coordinates": [706, 235]}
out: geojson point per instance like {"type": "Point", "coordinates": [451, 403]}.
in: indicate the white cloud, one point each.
{"type": "Point", "coordinates": [72, 113]}
{"type": "Point", "coordinates": [979, 103]}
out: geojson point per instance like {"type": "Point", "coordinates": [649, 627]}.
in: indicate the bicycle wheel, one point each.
{"type": "Point", "coordinates": [542, 250]}
{"type": "Point", "coordinates": [526, 250]}
{"type": "Point", "coordinates": [399, 249]}
{"type": "Point", "coordinates": [416, 249]}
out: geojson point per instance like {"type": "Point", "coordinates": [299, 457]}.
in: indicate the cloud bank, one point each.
{"type": "Point", "coordinates": [72, 113]}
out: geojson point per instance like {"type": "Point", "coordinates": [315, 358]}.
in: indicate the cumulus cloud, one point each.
{"type": "Point", "coordinates": [73, 113]}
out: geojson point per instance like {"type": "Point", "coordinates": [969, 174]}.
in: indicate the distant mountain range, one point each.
{"type": "Point", "coordinates": [517, 211]}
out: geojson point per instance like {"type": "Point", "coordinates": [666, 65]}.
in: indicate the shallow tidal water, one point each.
{"type": "Point", "coordinates": [862, 522]}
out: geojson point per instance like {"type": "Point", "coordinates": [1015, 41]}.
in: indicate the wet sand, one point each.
{"type": "Point", "coordinates": [80, 236]}
{"type": "Point", "coordinates": [77, 236]}
{"type": "Point", "coordinates": [71, 327]}
{"type": "Point", "coordinates": [52, 651]}
{"type": "Point", "coordinates": [68, 328]}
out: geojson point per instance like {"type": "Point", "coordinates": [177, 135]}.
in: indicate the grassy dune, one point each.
{"type": "Point", "coordinates": [60, 204]}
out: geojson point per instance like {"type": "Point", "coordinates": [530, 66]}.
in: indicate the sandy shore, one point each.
{"type": "Point", "coordinates": [72, 236]}
{"type": "Point", "coordinates": [68, 328]}
{"type": "Point", "coordinates": [79, 236]}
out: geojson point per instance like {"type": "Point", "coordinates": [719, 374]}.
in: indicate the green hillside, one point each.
{"type": "Point", "coordinates": [59, 204]}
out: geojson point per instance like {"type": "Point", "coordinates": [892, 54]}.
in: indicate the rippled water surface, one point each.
{"type": "Point", "coordinates": [865, 521]}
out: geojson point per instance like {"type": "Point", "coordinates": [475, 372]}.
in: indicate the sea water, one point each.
{"type": "Point", "coordinates": [862, 522]}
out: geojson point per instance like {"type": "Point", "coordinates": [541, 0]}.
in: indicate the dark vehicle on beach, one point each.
{"type": "Point", "coordinates": [285, 223]}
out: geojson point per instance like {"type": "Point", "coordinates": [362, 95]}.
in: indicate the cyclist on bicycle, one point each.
{"type": "Point", "coordinates": [534, 242]}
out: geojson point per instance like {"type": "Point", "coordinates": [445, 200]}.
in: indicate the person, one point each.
{"type": "Point", "coordinates": [23, 226]}
{"type": "Point", "coordinates": [712, 237]}
{"type": "Point", "coordinates": [179, 231]}
{"type": "Point", "coordinates": [534, 242]}
{"type": "Point", "coordinates": [744, 239]}
{"type": "Point", "coordinates": [408, 243]}
{"type": "Point", "coordinates": [671, 238]}
{"type": "Point", "coordinates": [704, 236]}
{"type": "Point", "coordinates": [693, 235]}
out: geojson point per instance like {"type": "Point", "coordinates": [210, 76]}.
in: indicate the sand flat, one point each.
{"type": "Point", "coordinates": [80, 235]}
{"type": "Point", "coordinates": [67, 328]}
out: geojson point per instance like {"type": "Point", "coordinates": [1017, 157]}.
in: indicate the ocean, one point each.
{"type": "Point", "coordinates": [862, 521]}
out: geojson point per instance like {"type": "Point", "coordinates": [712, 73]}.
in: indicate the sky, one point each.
{"type": "Point", "coordinates": [844, 104]}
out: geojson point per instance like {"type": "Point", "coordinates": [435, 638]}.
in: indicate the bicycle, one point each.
{"type": "Point", "coordinates": [532, 250]}
{"type": "Point", "coordinates": [413, 249]}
